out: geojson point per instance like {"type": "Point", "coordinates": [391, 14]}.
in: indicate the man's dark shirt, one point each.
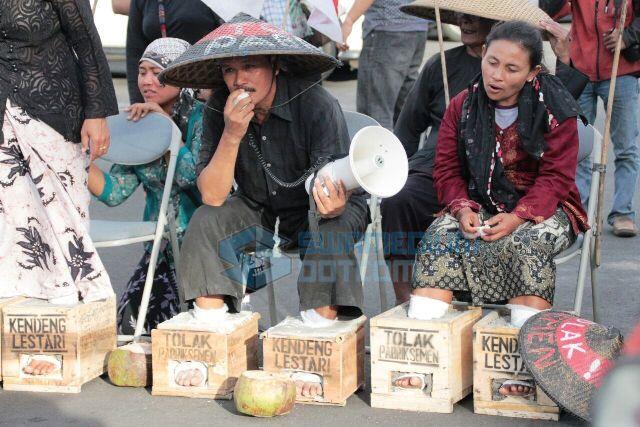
{"type": "Point", "coordinates": [292, 138]}
{"type": "Point", "coordinates": [425, 103]}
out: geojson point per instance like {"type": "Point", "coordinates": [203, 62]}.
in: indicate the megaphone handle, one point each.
{"type": "Point", "coordinates": [313, 215]}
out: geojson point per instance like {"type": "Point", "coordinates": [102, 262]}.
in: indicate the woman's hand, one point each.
{"type": "Point", "coordinates": [558, 38]}
{"type": "Point", "coordinates": [237, 115]}
{"type": "Point", "coordinates": [334, 204]}
{"type": "Point", "coordinates": [469, 221]}
{"type": "Point", "coordinates": [96, 132]}
{"type": "Point", "coordinates": [502, 225]}
{"type": "Point", "coordinates": [347, 27]}
{"type": "Point", "coordinates": [141, 109]}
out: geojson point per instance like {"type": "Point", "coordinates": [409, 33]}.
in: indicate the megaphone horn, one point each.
{"type": "Point", "coordinates": [377, 162]}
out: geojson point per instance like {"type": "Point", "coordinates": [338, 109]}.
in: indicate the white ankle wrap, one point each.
{"type": "Point", "coordinates": [210, 315]}
{"type": "Point", "coordinates": [425, 308]}
{"type": "Point", "coordinates": [313, 319]}
{"type": "Point", "coordinates": [520, 314]}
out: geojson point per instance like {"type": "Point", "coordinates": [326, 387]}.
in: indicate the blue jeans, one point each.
{"type": "Point", "coordinates": [624, 137]}
{"type": "Point", "coordinates": [387, 69]}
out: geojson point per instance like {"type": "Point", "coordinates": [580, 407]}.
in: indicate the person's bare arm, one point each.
{"type": "Point", "coordinates": [357, 10]}
{"type": "Point", "coordinates": [216, 179]}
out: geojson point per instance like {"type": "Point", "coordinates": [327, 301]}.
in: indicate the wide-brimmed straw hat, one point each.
{"type": "Point", "coordinates": [568, 357]}
{"type": "Point", "coordinates": [244, 36]}
{"type": "Point", "coordinates": [497, 10]}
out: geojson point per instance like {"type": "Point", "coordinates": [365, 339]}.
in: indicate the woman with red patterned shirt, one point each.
{"type": "Point", "coordinates": [505, 168]}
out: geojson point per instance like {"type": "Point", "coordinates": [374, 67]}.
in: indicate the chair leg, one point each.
{"type": "Point", "coordinates": [271, 296]}
{"type": "Point", "coordinates": [382, 285]}
{"type": "Point", "coordinates": [585, 260]}
{"type": "Point", "coordinates": [148, 283]}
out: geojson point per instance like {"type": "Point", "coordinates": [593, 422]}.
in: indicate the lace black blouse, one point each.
{"type": "Point", "coordinates": [52, 64]}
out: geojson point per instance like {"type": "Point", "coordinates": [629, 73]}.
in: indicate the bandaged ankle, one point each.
{"type": "Point", "coordinates": [246, 305]}
{"type": "Point", "coordinates": [71, 299]}
{"type": "Point", "coordinates": [520, 314]}
{"type": "Point", "coordinates": [210, 315]}
{"type": "Point", "coordinates": [425, 308]}
{"type": "Point", "coordinates": [313, 319]}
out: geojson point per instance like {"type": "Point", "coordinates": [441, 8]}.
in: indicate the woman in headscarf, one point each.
{"type": "Point", "coordinates": [505, 168]}
{"type": "Point", "coordinates": [115, 187]}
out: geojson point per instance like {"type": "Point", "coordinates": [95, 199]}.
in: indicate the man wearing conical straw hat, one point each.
{"type": "Point", "coordinates": [267, 130]}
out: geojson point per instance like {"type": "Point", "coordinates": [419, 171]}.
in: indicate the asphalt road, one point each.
{"type": "Point", "coordinates": [102, 404]}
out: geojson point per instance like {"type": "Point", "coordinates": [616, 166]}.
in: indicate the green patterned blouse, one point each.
{"type": "Point", "coordinates": [122, 181]}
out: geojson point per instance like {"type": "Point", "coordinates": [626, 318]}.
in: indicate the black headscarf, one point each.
{"type": "Point", "coordinates": [540, 101]}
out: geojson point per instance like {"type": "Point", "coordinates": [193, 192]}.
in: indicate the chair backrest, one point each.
{"type": "Point", "coordinates": [141, 142]}
{"type": "Point", "coordinates": [586, 137]}
{"type": "Point", "coordinates": [356, 121]}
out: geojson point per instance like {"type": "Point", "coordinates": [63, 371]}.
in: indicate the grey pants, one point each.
{"type": "Point", "coordinates": [216, 235]}
{"type": "Point", "coordinates": [388, 67]}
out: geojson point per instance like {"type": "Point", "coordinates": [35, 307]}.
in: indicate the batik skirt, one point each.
{"type": "Point", "coordinates": [519, 264]}
{"type": "Point", "coordinates": [45, 248]}
{"type": "Point", "coordinates": [164, 301]}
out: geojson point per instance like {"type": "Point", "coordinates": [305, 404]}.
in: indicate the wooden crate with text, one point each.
{"type": "Point", "coordinates": [495, 359]}
{"type": "Point", "coordinates": [336, 354]}
{"type": "Point", "coordinates": [438, 350]}
{"type": "Point", "coordinates": [3, 303]}
{"type": "Point", "coordinates": [225, 354]}
{"type": "Point", "coordinates": [79, 337]}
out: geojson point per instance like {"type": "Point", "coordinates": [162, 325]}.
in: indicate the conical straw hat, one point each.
{"type": "Point", "coordinates": [498, 10]}
{"type": "Point", "coordinates": [241, 37]}
{"type": "Point", "coordinates": [568, 357]}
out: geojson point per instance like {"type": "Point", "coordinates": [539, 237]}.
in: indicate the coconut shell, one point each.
{"type": "Point", "coordinates": [264, 394]}
{"type": "Point", "coordinates": [130, 365]}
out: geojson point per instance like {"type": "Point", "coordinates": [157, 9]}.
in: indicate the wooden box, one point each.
{"type": "Point", "coordinates": [3, 303]}
{"type": "Point", "coordinates": [441, 349]}
{"type": "Point", "coordinates": [80, 337]}
{"type": "Point", "coordinates": [496, 359]}
{"type": "Point", "coordinates": [335, 353]}
{"type": "Point", "coordinates": [227, 350]}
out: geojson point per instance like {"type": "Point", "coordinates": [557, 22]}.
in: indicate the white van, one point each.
{"type": "Point", "coordinates": [113, 33]}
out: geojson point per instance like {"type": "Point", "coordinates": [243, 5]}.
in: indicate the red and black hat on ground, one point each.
{"type": "Point", "coordinates": [617, 402]}
{"type": "Point", "coordinates": [244, 36]}
{"type": "Point", "coordinates": [568, 357]}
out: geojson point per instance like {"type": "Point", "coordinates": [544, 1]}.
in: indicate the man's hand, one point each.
{"type": "Point", "coordinates": [96, 132]}
{"type": "Point", "coordinates": [558, 38]}
{"type": "Point", "coordinates": [237, 115]}
{"type": "Point", "coordinates": [610, 40]}
{"type": "Point", "coordinates": [469, 221]}
{"type": "Point", "coordinates": [347, 27]}
{"type": "Point", "coordinates": [141, 109]}
{"type": "Point", "coordinates": [334, 204]}
{"type": "Point", "coordinates": [502, 225]}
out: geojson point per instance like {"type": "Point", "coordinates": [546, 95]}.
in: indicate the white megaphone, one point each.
{"type": "Point", "coordinates": [377, 162]}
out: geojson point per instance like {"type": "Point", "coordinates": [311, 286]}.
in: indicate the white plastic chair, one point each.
{"type": "Point", "coordinates": [138, 143]}
{"type": "Point", "coordinates": [590, 145]}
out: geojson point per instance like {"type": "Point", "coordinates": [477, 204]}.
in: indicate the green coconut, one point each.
{"type": "Point", "coordinates": [264, 394]}
{"type": "Point", "coordinates": [130, 365]}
